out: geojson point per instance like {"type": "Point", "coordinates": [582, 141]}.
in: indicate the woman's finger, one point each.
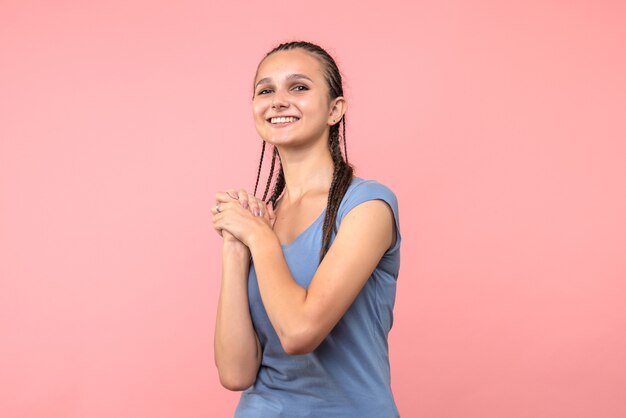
{"type": "Point", "coordinates": [224, 197]}
{"type": "Point", "coordinates": [263, 209]}
{"type": "Point", "coordinates": [271, 215]}
{"type": "Point", "coordinates": [219, 231]}
{"type": "Point", "coordinates": [256, 206]}
{"type": "Point", "coordinates": [220, 207]}
{"type": "Point", "coordinates": [243, 198]}
{"type": "Point", "coordinates": [246, 200]}
{"type": "Point", "coordinates": [263, 212]}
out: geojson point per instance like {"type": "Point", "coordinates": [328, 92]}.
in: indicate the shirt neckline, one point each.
{"type": "Point", "coordinates": [305, 230]}
{"type": "Point", "coordinates": [354, 180]}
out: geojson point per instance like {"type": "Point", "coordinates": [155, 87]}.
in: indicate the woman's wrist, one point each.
{"type": "Point", "coordinates": [235, 247]}
{"type": "Point", "coordinates": [263, 238]}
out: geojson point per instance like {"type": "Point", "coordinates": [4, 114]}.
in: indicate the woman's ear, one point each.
{"type": "Point", "coordinates": [338, 108]}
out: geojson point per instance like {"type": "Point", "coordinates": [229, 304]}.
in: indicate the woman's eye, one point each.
{"type": "Point", "coordinates": [301, 87]}
{"type": "Point", "coordinates": [264, 91]}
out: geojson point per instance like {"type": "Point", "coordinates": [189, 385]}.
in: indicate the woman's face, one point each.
{"type": "Point", "coordinates": [290, 104]}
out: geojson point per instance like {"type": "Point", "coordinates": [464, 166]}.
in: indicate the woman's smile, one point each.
{"type": "Point", "coordinates": [282, 121]}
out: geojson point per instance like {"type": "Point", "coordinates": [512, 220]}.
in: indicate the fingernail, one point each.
{"type": "Point", "coordinates": [245, 204]}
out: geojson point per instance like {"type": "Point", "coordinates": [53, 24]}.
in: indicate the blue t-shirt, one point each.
{"type": "Point", "coordinates": [347, 375]}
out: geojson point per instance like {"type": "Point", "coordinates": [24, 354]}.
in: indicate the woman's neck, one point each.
{"type": "Point", "coordinates": [308, 171]}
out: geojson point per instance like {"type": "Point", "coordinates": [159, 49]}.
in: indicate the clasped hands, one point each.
{"type": "Point", "coordinates": [239, 215]}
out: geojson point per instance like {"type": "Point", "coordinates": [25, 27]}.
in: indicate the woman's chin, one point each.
{"type": "Point", "coordinates": [280, 141]}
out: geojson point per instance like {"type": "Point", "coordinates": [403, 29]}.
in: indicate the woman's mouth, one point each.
{"type": "Point", "coordinates": [282, 121]}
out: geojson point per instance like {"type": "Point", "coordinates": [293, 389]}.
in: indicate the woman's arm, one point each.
{"type": "Point", "coordinates": [302, 317]}
{"type": "Point", "coordinates": [236, 345]}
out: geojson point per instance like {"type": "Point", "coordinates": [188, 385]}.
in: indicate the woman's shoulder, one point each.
{"type": "Point", "coordinates": [368, 188]}
{"type": "Point", "coordinates": [362, 190]}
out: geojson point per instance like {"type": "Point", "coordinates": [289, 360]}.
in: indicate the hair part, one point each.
{"type": "Point", "coordinates": [342, 170]}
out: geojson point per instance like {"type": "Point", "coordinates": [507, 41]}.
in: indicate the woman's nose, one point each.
{"type": "Point", "coordinates": [279, 100]}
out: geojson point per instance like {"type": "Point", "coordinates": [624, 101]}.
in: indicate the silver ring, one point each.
{"type": "Point", "coordinates": [217, 208]}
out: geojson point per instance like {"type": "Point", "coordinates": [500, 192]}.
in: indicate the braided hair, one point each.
{"type": "Point", "coordinates": [342, 170]}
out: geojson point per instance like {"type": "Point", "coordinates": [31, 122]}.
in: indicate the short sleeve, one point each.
{"type": "Point", "coordinates": [365, 190]}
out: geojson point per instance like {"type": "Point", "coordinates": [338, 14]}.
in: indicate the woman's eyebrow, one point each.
{"type": "Point", "coordinates": [289, 77]}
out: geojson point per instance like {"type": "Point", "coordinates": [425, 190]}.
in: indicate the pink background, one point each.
{"type": "Point", "coordinates": [501, 128]}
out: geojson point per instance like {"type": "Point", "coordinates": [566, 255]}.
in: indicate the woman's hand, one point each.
{"type": "Point", "coordinates": [239, 214]}
{"type": "Point", "coordinates": [256, 206]}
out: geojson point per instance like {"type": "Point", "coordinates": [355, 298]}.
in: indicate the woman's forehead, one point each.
{"type": "Point", "coordinates": [282, 64]}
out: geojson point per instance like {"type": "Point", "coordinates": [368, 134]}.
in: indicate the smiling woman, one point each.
{"type": "Point", "coordinates": [309, 271]}
{"type": "Point", "coordinates": [297, 91]}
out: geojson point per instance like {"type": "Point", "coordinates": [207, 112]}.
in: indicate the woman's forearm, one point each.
{"type": "Point", "coordinates": [284, 299]}
{"type": "Point", "coordinates": [236, 346]}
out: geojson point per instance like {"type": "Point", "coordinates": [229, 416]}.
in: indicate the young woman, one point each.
{"type": "Point", "coordinates": [309, 277]}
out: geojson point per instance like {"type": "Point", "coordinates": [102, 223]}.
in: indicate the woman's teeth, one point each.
{"type": "Point", "coordinates": [283, 119]}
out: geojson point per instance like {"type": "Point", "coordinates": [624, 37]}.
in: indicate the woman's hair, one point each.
{"type": "Point", "coordinates": [342, 171]}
